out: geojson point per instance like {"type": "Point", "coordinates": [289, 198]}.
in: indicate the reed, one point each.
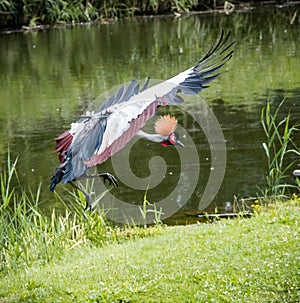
{"type": "Point", "coordinates": [278, 146]}
{"type": "Point", "coordinates": [31, 13]}
{"type": "Point", "coordinates": [149, 209]}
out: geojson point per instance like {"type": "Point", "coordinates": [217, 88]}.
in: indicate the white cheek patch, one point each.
{"type": "Point", "coordinates": [172, 139]}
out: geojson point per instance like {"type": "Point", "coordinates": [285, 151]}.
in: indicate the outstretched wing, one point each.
{"type": "Point", "coordinates": [122, 126]}
{"type": "Point", "coordinates": [123, 94]}
{"type": "Point", "coordinates": [197, 78]}
{"type": "Point", "coordinates": [85, 142]}
{"type": "Point", "coordinates": [78, 145]}
{"type": "Point", "coordinates": [129, 117]}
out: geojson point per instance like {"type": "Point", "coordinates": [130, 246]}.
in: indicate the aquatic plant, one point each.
{"type": "Point", "coordinates": [34, 12]}
{"type": "Point", "coordinates": [278, 146]}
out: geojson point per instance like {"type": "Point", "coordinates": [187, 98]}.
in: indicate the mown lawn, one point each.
{"type": "Point", "coordinates": [241, 260]}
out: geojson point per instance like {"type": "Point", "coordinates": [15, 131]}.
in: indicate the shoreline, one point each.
{"type": "Point", "coordinates": [227, 8]}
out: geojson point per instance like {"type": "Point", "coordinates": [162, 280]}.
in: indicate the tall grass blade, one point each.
{"type": "Point", "coordinates": [279, 144]}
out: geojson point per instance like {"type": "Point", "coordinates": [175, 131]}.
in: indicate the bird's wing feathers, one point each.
{"type": "Point", "coordinates": [93, 145]}
{"type": "Point", "coordinates": [197, 78]}
{"type": "Point", "coordinates": [123, 94]}
{"type": "Point", "coordinates": [63, 142]}
{"type": "Point", "coordinates": [85, 142]}
{"type": "Point", "coordinates": [124, 127]}
{"type": "Point", "coordinates": [76, 146]}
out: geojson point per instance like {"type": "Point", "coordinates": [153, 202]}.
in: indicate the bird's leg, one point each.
{"type": "Point", "coordinates": [111, 179]}
{"type": "Point", "coordinates": [106, 176]}
{"type": "Point", "coordinates": [87, 196]}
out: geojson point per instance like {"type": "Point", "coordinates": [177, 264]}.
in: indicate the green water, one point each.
{"type": "Point", "coordinates": [49, 78]}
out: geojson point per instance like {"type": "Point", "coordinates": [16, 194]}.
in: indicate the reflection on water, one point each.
{"type": "Point", "coordinates": [49, 78]}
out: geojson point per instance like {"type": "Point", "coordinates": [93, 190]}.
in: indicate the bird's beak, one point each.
{"type": "Point", "coordinates": [178, 143]}
{"type": "Point", "coordinates": [296, 172]}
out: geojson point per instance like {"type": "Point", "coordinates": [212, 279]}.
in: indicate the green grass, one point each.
{"type": "Point", "coordinates": [243, 260]}
{"type": "Point", "coordinates": [29, 237]}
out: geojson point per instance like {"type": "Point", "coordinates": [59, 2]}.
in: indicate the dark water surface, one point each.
{"type": "Point", "coordinates": [49, 78]}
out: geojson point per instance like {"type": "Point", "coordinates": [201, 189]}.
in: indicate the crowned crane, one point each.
{"type": "Point", "coordinates": [97, 136]}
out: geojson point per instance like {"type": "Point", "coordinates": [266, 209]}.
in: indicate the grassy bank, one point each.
{"type": "Point", "coordinates": [32, 13]}
{"type": "Point", "coordinates": [35, 12]}
{"type": "Point", "coordinates": [243, 260]}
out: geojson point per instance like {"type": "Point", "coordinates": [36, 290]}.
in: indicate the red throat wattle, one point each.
{"type": "Point", "coordinates": [164, 143]}
{"type": "Point", "coordinates": [172, 139]}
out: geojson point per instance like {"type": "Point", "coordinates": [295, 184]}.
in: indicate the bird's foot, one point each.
{"type": "Point", "coordinates": [110, 178]}
{"type": "Point", "coordinates": [87, 196]}
{"type": "Point", "coordinates": [88, 200]}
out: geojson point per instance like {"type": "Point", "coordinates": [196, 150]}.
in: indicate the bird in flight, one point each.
{"type": "Point", "coordinates": [97, 136]}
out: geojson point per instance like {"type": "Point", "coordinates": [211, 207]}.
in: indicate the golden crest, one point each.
{"type": "Point", "coordinates": [165, 125]}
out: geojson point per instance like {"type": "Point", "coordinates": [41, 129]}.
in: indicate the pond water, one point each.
{"type": "Point", "coordinates": [49, 78]}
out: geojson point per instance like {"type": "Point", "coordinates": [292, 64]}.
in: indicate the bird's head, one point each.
{"type": "Point", "coordinates": [165, 126]}
{"type": "Point", "coordinates": [173, 139]}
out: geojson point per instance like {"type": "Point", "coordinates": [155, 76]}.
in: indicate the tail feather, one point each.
{"type": "Point", "coordinates": [57, 176]}
{"type": "Point", "coordinates": [62, 144]}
